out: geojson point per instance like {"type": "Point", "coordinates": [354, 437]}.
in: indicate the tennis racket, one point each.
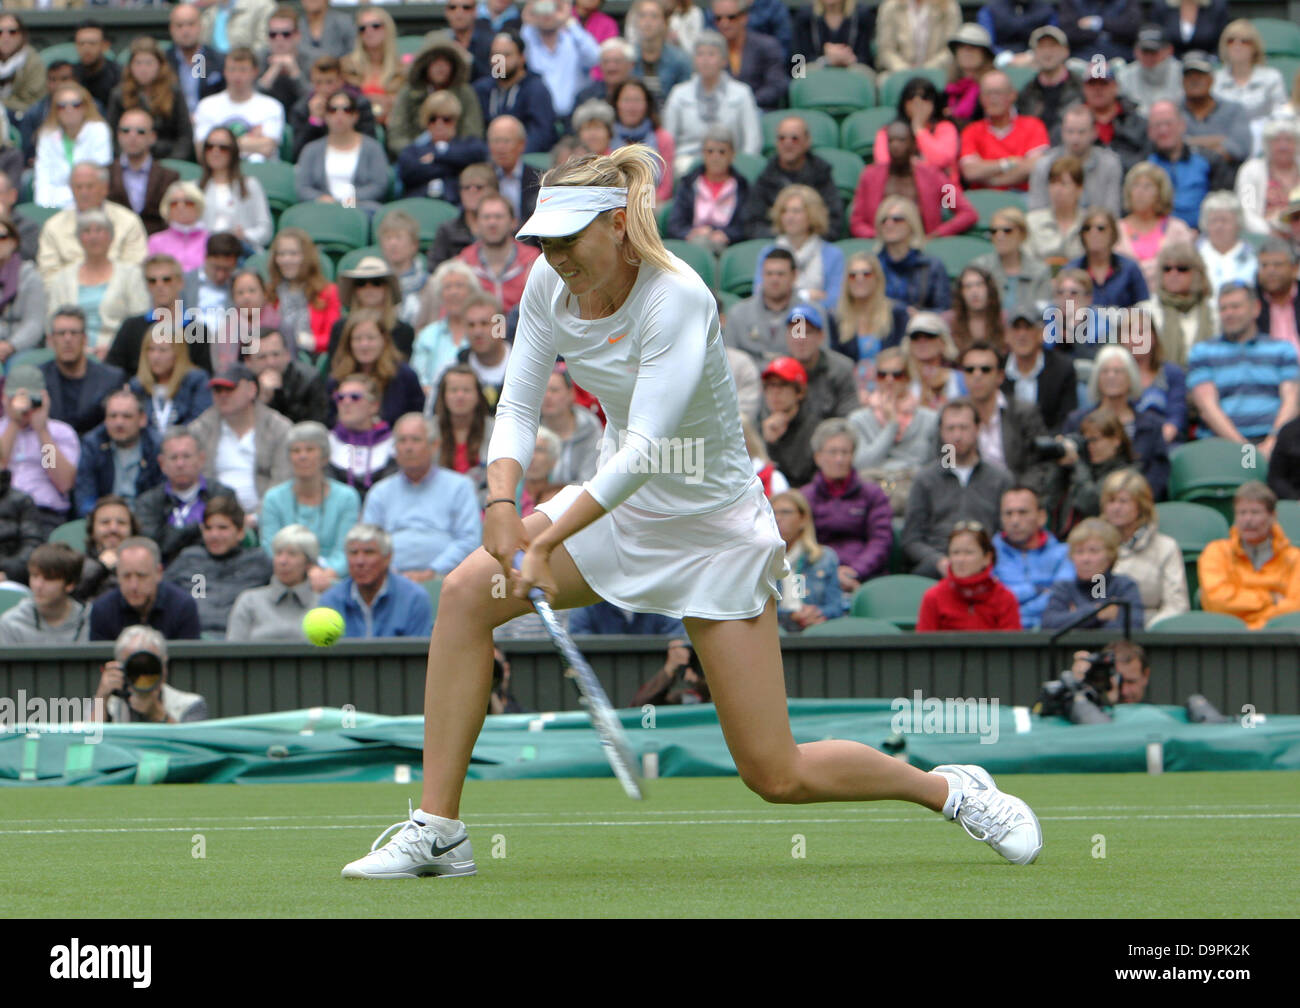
{"type": "Point", "coordinates": [610, 729]}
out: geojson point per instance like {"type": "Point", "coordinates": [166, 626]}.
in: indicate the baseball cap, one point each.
{"type": "Point", "coordinates": [26, 378]}
{"type": "Point", "coordinates": [565, 210]}
{"type": "Point", "coordinates": [1151, 38]}
{"type": "Point", "coordinates": [929, 323]}
{"type": "Point", "coordinates": [1048, 31]}
{"type": "Point", "coordinates": [230, 376]}
{"type": "Point", "coordinates": [787, 369]}
{"type": "Point", "coordinates": [1197, 61]}
{"type": "Point", "coordinates": [1100, 70]}
{"type": "Point", "coordinates": [1023, 313]}
{"type": "Point", "coordinates": [810, 314]}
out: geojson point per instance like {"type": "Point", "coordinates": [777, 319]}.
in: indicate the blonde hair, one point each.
{"type": "Point", "coordinates": [875, 309]}
{"type": "Point", "coordinates": [635, 167]}
{"type": "Point", "coordinates": [808, 536]}
{"type": "Point", "coordinates": [814, 206]}
{"type": "Point", "coordinates": [1243, 27]}
{"type": "Point", "coordinates": [1099, 529]}
{"type": "Point", "coordinates": [88, 107]}
{"type": "Point", "coordinates": [178, 190]}
{"type": "Point", "coordinates": [345, 363]}
{"type": "Point", "coordinates": [1015, 216]}
{"type": "Point", "coordinates": [356, 65]}
{"type": "Point", "coordinates": [181, 366]}
{"type": "Point", "coordinates": [1133, 483]}
{"type": "Point", "coordinates": [440, 103]}
{"type": "Point", "coordinates": [908, 209]}
{"type": "Point", "coordinates": [1164, 188]}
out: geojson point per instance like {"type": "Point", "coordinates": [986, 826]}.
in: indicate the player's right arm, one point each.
{"type": "Point", "coordinates": [514, 433]}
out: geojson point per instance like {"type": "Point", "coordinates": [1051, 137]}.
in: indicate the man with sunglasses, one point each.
{"type": "Point", "coordinates": [793, 164]}
{"type": "Point", "coordinates": [472, 33]}
{"type": "Point", "coordinates": [135, 179]}
{"type": "Point", "coordinates": [283, 78]}
{"type": "Point", "coordinates": [166, 282]}
{"type": "Point", "coordinates": [1194, 172]}
{"type": "Point", "coordinates": [754, 58]}
{"type": "Point", "coordinates": [1007, 426]}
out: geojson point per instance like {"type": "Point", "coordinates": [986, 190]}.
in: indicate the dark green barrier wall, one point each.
{"type": "Point", "coordinates": [387, 677]}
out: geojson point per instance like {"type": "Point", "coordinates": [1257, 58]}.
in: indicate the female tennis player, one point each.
{"type": "Point", "coordinates": [650, 533]}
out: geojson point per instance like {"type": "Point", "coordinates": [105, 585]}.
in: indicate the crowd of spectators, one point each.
{"type": "Point", "coordinates": [247, 435]}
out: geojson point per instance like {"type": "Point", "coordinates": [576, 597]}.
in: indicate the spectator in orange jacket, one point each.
{"type": "Point", "coordinates": [933, 191]}
{"type": "Point", "coordinates": [1254, 574]}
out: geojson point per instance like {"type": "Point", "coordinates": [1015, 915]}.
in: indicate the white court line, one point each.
{"type": "Point", "coordinates": [872, 811]}
{"type": "Point", "coordinates": [571, 824]}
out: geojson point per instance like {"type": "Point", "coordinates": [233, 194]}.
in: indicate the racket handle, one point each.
{"type": "Point", "coordinates": [535, 594]}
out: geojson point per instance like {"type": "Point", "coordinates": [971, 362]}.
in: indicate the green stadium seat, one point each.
{"type": "Point", "coordinates": [846, 167]}
{"type": "Point", "coordinates": [430, 213]}
{"type": "Point", "coordinates": [895, 82]}
{"type": "Point", "coordinates": [851, 626]}
{"type": "Point", "coordinates": [736, 268]}
{"type": "Point", "coordinates": [835, 91]}
{"type": "Point", "coordinates": [728, 300]}
{"type": "Point", "coordinates": [1281, 38]}
{"type": "Point", "coordinates": [661, 218]}
{"type": "Point", "coordinates": [71, 533]}
{"type": "Point", "coordinates": [897, 562]}
{"type": "Point", "coordinates": [187, 170]}
{"type": "Point", "coordinates": [1209, 471]}
{"type": "Point", "coordinates": [434, 587]}
{"type": "Point", "coordinates": [276, 178]}
{"type": "Point", "coordinates": [821, 128]}
{"type": "Point", "coordinates": [852, 246]}
{"type": "Point", "coordinates": [34, 213]}
{"type": "Point", "coordinates": [538, 160]}
{"type": "Point", "coordinates": [35, 356]}
{"type": "Point", "coordinates": [286, 144]}
{"type": "Point", "coordinates": [409, 45]}
{"type": "Point", "coordinates": [327, 267]}
{"type": "Point", "coordinates": [1287, 621]}
{"type": "Point", "coordinates": [858, 131]}
{"type": "Point", "coordinates": [987, 202]}
{"type": "Point", "coordinates": [1193, 527]}
{"type": "Point", "coordinates": [895, 598]}
{"type": "Point", "coordinates": [1288, 67]}
{"type": "Point", "coordinates": [10, 597]}
{"type": "Point", "coordinates": [259, 261]}
{"type": "Point", "coordinates": [335, 229]}
{"type": "Point", "coordinates": [749, 165]}
{"type": "Point", "coordinates": [1199, 622]}
{"type": "Point", "coordinates": [1288, 516]}
{"type": "Point", "coordinates": [1020, 75]}
{"type": "Point", "coordinates": [957, 252]}
{"type": "Point", "coordinates": [698, 258]}
{"type": "Point", "coordinates": [350, 259]}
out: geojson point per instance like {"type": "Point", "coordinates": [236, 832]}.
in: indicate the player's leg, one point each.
{"type": "Point", "coordinates": [474, 601]}
{"type": "Point", "coordinates": [742, 663]}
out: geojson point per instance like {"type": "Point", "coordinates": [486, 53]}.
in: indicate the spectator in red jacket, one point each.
{"type": "Point", "coordinates": [969, 597]}
{"type": "Point", "coordinates": [905, 174]}
{"type": "Point", "coordinates": [851, 516]}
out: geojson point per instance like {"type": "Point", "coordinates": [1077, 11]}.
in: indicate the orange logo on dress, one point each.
{"type": "Point", "coordinates": [543, 199]}
{"type": "Point", "coordinates": [615, 339]}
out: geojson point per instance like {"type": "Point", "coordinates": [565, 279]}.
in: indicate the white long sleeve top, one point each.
{"type": "Point", "coordinates": [673, 443]}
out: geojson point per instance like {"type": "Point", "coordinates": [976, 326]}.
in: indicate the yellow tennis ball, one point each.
{"type": "Point", "coordinates": [323, 626]}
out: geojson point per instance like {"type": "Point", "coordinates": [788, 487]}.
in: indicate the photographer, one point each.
{"type": "Point", "coordinates": [680, 681]}
{"type": "Point", "coordinates": [133, 686]}
{"type": "Point", "coordinates": [1118, 674]}
{"type": "Point", "coordinates": [501, 700]}
{"type": "Point", "coordinates": [1131, 675]}
{"type": "Point", "coordinates": [1101, 447]}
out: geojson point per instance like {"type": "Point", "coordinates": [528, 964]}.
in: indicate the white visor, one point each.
{"type": "Point", "coordinates": [565, 210]}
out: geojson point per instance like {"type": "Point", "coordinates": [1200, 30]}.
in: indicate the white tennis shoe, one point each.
{"type": "Point", "coordinates": [1002, 821]}
{"type": "Point", "coordinates": [416, 851]}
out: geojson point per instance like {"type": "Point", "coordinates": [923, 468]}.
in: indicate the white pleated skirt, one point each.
{"type": "Point", "coordinates": [724, 564]}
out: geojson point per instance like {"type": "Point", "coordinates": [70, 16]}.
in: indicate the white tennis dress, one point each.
{"type": "Point", "coordinates": [689, 531]}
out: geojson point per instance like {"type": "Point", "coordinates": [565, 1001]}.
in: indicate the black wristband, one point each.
{"type": "Point", "coordinates": [499, 500]}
